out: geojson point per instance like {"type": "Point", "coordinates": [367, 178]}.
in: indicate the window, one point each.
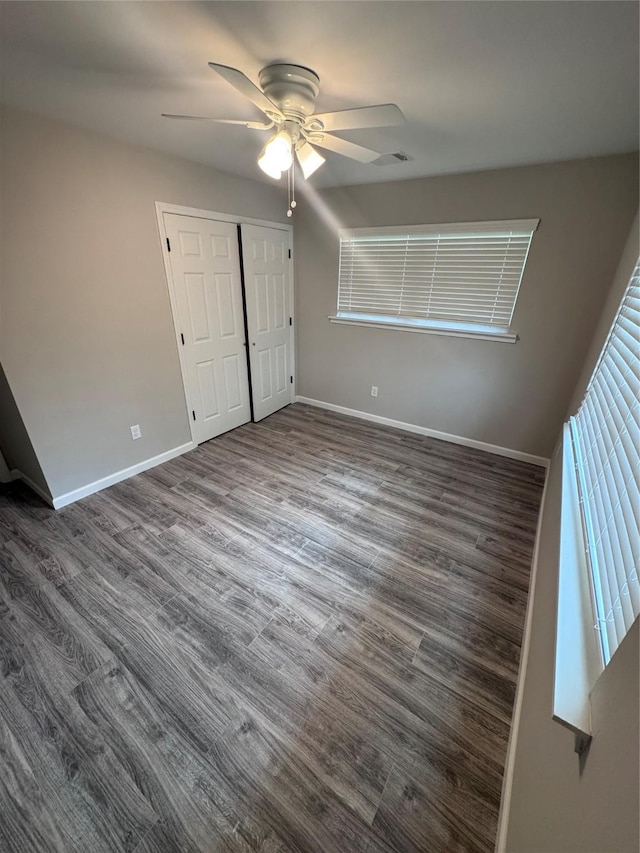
{"type": "Point", "coordinates": [458, 279]}
{"type": "Point", "coordinates": [606, 444]}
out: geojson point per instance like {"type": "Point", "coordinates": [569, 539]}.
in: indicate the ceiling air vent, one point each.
{"type": "Point", "coordinates": [392, 159]}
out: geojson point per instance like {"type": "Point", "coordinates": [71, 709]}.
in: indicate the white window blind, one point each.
{"type": "Point", "coordinates": [465, 273]}
{"type": "Point", "coordinates": [606, 438]}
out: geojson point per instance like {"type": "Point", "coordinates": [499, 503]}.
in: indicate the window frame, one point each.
{"type": "Point", "coordinates": [580, 655]}
{"type": "Point", "coordinates": [454, 327]}
{"type": "Point", "coordinates": [601, 571]}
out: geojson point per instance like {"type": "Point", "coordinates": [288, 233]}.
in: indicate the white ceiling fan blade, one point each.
{"type": "Point", "coordinates": [254, 125]}
{"type": "Point", "coordinates": [382, 115]}
{"type": "Point", "coordinates": [242, 83]}
{"type": "Point", "coordinates": [341, 146]}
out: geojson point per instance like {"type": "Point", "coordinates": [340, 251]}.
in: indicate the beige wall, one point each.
{"type": "Point", "coordinates": [514, 396]}
{"type": "Point", "coordinates": [86, 335]}
{"type": "Point", "coordinates": [553, 808]}
{"type": "Point", "coordinates": [17, 451]}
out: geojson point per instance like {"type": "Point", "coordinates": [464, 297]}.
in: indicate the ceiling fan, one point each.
{"type": "Point", "coordinates": [287, 97]}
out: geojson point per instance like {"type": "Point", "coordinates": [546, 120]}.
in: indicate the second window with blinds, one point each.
{"type": "Point", "coordinates": [459, 278]}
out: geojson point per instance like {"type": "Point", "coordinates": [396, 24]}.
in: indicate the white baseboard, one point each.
{"type": "Point", "coordinates": [507, 779]}
{"type": "Point", "coordinates": [432, 433]}
{"type": "Point", "coordinates": [16, 474]}
{"type": "Point", "coordinates": [70, 497]}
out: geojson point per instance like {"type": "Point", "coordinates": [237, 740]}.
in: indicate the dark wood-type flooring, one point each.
{"type": "Point", "coordinates": [302, 636]}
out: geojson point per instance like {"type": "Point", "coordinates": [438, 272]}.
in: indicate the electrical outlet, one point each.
{"type": "Point", "coordinates": [135, 432]}
{"type": "Point", "coordinates": [374, 390]}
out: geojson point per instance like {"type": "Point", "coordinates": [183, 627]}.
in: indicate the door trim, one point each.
{"type": "Point", "coordinates": [165, 207]}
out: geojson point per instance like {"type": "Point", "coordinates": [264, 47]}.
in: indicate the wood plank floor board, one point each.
{"type": "Point", "coordinates": [165, 500]}
{"type": "Point", "coordinates": [20, 563]}
{"type": "Point", "coordinates": [259, 521]}
{"type": "Point", "coordinates": [468, 478]}
{"type": "Point", "coordinates": [81, 519]}
{"type": "Point", "coordinates": [271, 575]}
{"type": "Point", "coordinates": [276, 460]}
{"type": "Point", "coordinates": [352, 570]}
{"type": "Point", "coordinates": [348, 763]}
{"type": "Point", "coordinates": [498, 585]}
{"type": "Point", "coordinates": [300, 637]}
{"type": "Point", "coordinates": [170, 565]}
{"type": "Point", "coordinates": [38, 615]}
{"type": "Point", "coordinates": [488, 609]}
{"type": "Point", "coordinates": [96, 800]}
{"type": "Point", "coordinates": [514, 553]}
{"type": "Point", "coordinates": [469, 674]}
{"type": "Point", "coordinates": [163, 763]}
{"type": "Point", "coordinates": [391, 507]}
{"type": "Point", "coordinates": [399, 538]}
{"type": "Point", "coordinates": [127, 500]}
{"type": "Point", "coordinates": [27, 820]}
{"type": "Point", "coordinates": [119, 560]}
{"type": "Point", "coordinates": [273, 844]}
{"type": "Point", "coordinates": [326, 584]}
{"type": "Point", "coordinates": [431, 813]}
{"type": "Point", "coordinates": [61, 816]}
{"type": "Point", "coordinates": [202, 491]}
{"type": "Point", "coordinates": [512, 513]}
{"type": "Point", "coordinates": [56, 558]}
{"type": "Point", "coordinates": [250, 760]}
{"type": "Point", "coordinates": [366, 701]}
{"type": "Point", "coordinates": [103, 512]}
{"type": "Point", "coordinates": [299, 525]}
{"type": "Point", "coordinates": [149, 646]}
{"type": "Point", "coordinates": [457, 727]}
{"type": "Point", "coordinates": [206, 627]}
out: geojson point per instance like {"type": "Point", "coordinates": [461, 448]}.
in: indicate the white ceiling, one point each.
{"type": "Point", "coordinates": [482, 84]}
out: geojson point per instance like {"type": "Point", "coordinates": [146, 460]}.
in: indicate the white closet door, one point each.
{"type": "Point", "coordinates": [267, 279]}
{"type": "Point", "coordinates": [205, 268]}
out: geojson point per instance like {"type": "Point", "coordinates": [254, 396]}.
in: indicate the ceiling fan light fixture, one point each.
{"type": "Point", "coordinates": [268, 168]}
{"type": "Point", "coordinates": [276, 157]}
{"type": "Point", "coordinates": [287, 96]}
{"type": "Point", "coordinates": [310, 160]}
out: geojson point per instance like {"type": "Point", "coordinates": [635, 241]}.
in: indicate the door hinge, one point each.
{"type": "Point", "coordinates": [193, 413]}
{"type": "Point", "coordinates": [291, 321]}
{"type": "Point", "coordinates": [182, 338]}
{"type": "Point", "coordinates": [168, 245]}
{"type": "Point", "coordinates": [291, 380]}
{"type": "Point", "coordinates": [289, 252]}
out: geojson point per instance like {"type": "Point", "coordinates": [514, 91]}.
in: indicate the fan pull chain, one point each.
{"type": "Point", "coordinates": [293, 185]}
{"type": "Point", "coordinates": [291, 189]}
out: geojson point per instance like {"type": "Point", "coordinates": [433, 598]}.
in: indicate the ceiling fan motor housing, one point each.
{"type": "Point", "coordinates": [292, 88]}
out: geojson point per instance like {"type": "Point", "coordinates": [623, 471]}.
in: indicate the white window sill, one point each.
{"type": "Point", "coordinates": [578, 662]}
{"type": "Point", "coordinates": [429, 327]}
